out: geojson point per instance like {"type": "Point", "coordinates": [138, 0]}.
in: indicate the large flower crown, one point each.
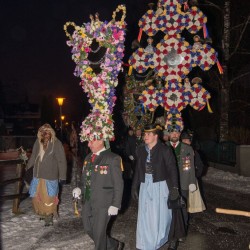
{"type": "Point", "coordinates": [110, 37]}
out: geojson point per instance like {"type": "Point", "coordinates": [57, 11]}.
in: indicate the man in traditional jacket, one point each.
{"type": "Point", "coordinates": [133, 141]}
{"type": "Point", "coordinates": [102, 193]}
{"type": "Point", "coordinates": [185, 160]}
{"type": "Point", "coordinates": [156, 176]}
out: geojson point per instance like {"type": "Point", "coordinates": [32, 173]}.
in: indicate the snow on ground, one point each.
{"type": "Point", "coordinates": [227, 180]}
{"type": "Point", "coordinates": [26, 232]}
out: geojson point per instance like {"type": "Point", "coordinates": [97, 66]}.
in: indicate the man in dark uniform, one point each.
{"type": "Point", "coordinates": [102, 193]}
{"type": "Point", "coordinates": [133, 141]}
{"type": "Point", "coordinates": [186, 138]}
{"type": "Point", "coordinates": [185, 161]}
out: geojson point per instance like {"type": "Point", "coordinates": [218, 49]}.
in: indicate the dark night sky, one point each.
{"type": "Point", "coordinates": [34, 57]}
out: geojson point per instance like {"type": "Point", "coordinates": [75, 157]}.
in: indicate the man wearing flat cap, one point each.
{"type": "Point", "coordinates": [186, 138]}
{"type": "Point", "coordinates": [165, 135]}
{"type": "Point", "coordinates": [156, 178]}
{"type": "Point", "coordinates": [132, 143]}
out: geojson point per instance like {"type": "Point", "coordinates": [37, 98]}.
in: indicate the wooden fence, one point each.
{"type": "Point", "coordinates": [18, 195]}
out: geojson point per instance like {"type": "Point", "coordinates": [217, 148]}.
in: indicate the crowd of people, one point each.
{"type": "Point", "coordinates": [164, 169]}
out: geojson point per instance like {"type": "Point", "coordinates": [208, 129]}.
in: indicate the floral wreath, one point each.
{"type": "Point", "coordinates": [98, 86]}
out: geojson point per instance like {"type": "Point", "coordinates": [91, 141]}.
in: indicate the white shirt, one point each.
{"type": "Point", "coordinates": [176, 143]}
{"type": "Point", "coordinates": [98, 153]}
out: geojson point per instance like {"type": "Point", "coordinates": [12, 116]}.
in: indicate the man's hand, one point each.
{"type": "Point", "coordinates": [76, 193]}
{"type": "Point", "coordinates": [112, 211]}
{"type": "Point", "coordinates": [131, 157]}
{"type": "Point", "coordinates": [134, 194]}
{"type": "Point", "coordinates": [62, 182]}
{"type": "Point", "coordinates": [173, 193]}
{"type": "Point", "coordinates": [192, 188]}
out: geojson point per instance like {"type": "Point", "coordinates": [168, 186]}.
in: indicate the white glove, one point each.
{"type": "Point", "coordinates": [192, 188]}
{"type": "Point", "coordinates": [131, 157]}
{"type": "Point", "coordinates": [112, 211]}
{"type": "Point", "coordinates": [76, 193]}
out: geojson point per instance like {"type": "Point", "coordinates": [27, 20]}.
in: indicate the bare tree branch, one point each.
{"type": "Point", "coordinates": [241, 101]}
{"type": "Point", "coordinates": [215, 73]}
{"type": "Point", "coordinates": [243, 53]}
{"type": "Point", "coordinates": [238, 77]}
{"type": "Point", "coordinates": [241, 35]}
{"type": "Point", "coordinates": [207, 3]}
{"type": "Point", "coordinates": [236, 26]}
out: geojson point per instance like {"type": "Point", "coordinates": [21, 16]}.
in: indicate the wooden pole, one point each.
{"type": "Point", "coordinates": [16, 201]}
{"type": "Point", "coordinates": [232, 212]}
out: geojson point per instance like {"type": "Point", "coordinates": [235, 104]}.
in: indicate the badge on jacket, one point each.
{"type": "Point", "coordinates": [103, 169]}
{"type": "Point", "coordinates": [186, 163]}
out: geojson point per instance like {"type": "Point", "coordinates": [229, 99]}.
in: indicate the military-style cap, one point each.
{"type": "Point", "coordinates": [186, 135]}
{"type": "Point", "coordinates": [152, 127]}
{"type": "Point", "coordinates": [165, 132]}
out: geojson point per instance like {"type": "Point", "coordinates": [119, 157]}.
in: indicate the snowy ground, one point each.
{"type": "Point", "coordinates": [26, 232]}
{"type": "Point", "coordinates": [227, 180]}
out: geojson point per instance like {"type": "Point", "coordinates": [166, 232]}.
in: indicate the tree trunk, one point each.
{"type": "Point", "coordinates": [224, 93]}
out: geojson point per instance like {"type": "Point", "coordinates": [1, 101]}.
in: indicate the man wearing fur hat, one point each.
{"type": "Point", "coordinates": [50, 167]}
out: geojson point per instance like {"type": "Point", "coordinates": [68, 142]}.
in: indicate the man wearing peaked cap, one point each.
{"type": "Point", "coordinates": [132, 143]}
{"type": "Point", "coordinates": [165, 135]}
{"type": "Point", "coordinates": [184, 155]}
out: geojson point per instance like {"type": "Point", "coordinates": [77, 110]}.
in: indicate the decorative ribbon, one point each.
{"type": "Point", "coordinates": [76, 209]}
{"type": "Point", "coordinates": [139, 35]}
{"type": "Point", "coordinates": [130, 69]}
{"type": "Point", "coordinates": [209, 108]}
{"type": "Point", "coordinates": [205, 31]}
{"type": "Point", "coordinates": [219, 67]}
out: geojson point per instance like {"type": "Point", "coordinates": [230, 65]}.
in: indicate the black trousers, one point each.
{"type": "Point", "coordinates": [184, 194]}
{"type": "Point", "coordinates": [95, 222]}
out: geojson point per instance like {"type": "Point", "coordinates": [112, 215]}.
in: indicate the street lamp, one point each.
{"type": "Point", "coordinates": [60, 103]}
{"type": "Point", "coordinates": [62, 118]}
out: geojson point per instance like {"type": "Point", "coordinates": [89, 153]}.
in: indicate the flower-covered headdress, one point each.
{"type": "Point", "coordinates": [100, 87]}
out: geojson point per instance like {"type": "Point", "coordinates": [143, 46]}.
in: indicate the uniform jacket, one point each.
{"type": "Point", "coordinates": [106, 179]}
{"type": "Point", "coordinates": [187, 177]}
{"type": "Point", "coordinates": [53, 165]}
{"type": "Point", "coordinates": [132, 143]}
{"type": "Point", "coordinates": [163, 163]}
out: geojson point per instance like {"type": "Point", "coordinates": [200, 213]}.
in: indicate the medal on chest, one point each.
{"type": "Point", "coordinates": [186, 163]}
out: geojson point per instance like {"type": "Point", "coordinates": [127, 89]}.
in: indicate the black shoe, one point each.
{"type": "Point", "coordinates": [120, 246]}
{"type": "Point", "coordinates": [173, 245]}
{"type": "Point", "coordinates": [182, 239]}
{"type": "Point", "coordinates": [48, 219]}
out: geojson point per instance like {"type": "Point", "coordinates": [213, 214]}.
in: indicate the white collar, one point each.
{"type": "Point", "coordinates": [176, 143]}
{"type": "Point", "coordinates": [98, 153]}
